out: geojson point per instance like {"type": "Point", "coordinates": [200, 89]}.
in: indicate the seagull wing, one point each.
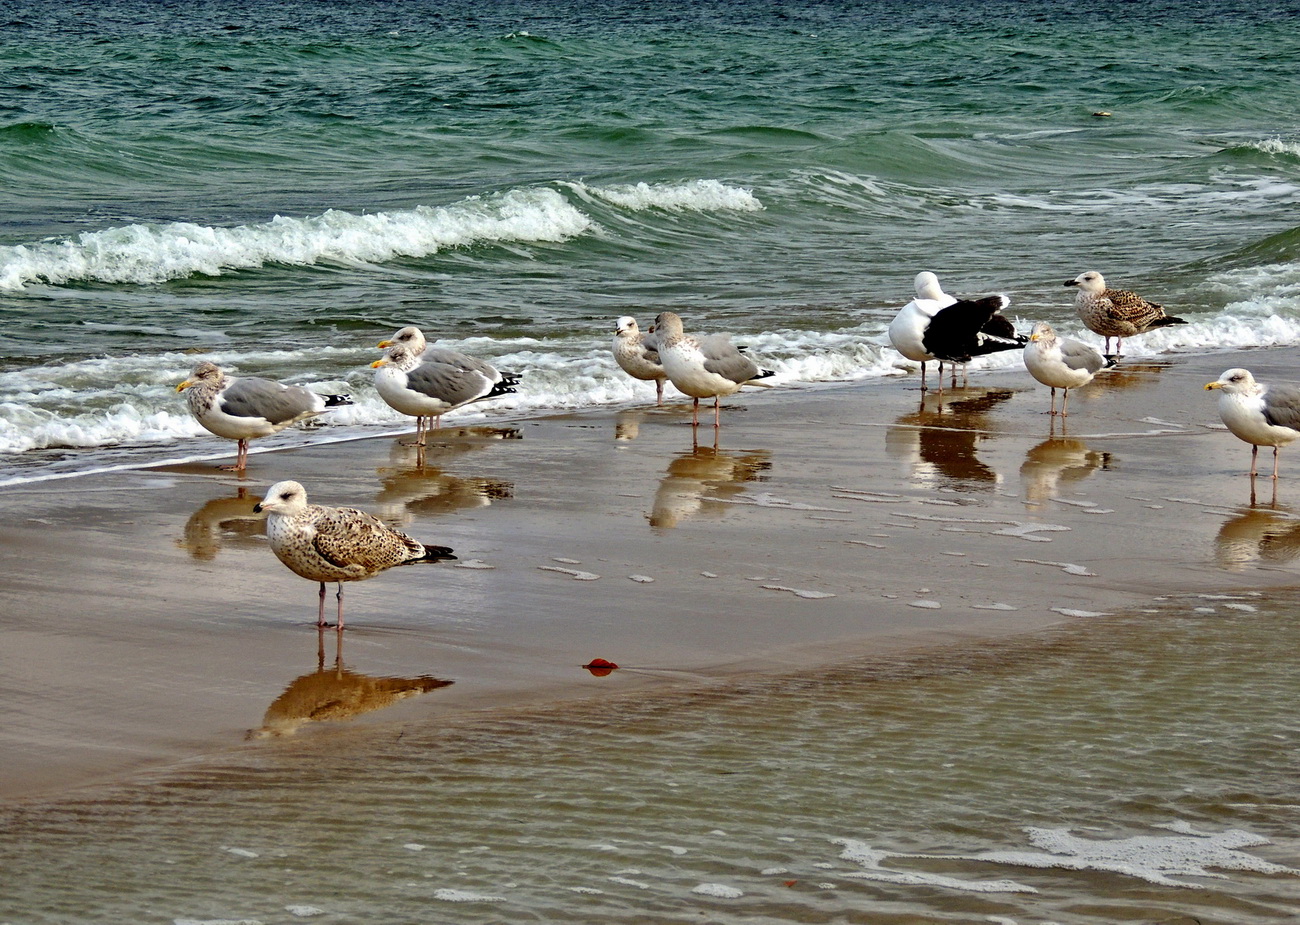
{"type": "Point", "coordinates": [265, 398]}
{"type": "Point", "coordinates": [1282, 406]}
{"type": "Point", "coordinates": [353, 539]}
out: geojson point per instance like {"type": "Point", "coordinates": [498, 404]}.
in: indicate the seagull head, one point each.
{"type": "Point", "coordinates": [410, 337]}
{"type": "Point", "coordinates": [1235, 381]}
{"type": "Point", "coordinates": [1042, 332]}
{"type": "Point", "coordinates": [1090, 282]}
{"type": "Point", "coordinates": [203, 372]}
{"type": "Point", "coordinates": [668, 324]}
{"type": "Point", "coordinates": [626, 325]}
{"type": "Point", "coordinates": [398, 356]}
{"type": "Point", "coordinates": [927, 286]}
{"type": "Point", "coordinates": [282, 498]}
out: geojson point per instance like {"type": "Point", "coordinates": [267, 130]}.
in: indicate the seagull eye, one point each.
{"type": "Point", "coordinates": [286, 495]}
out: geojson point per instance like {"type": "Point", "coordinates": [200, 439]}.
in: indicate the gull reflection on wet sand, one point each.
{"type": "Point", "coordinates": [219, 521]}
{"type": "Point", "coordinates": [1257, 536]}
{"type": "Point", "coordinates": [411, 485]}
{"type": "Point", "coordinates": [939, 440]}
{"type": "Point", "coordinates": [701, 471]}
{"type": "Point", "coordinates": [1058, 464]}
{"type": "Point", "coordinates": [335, 693]}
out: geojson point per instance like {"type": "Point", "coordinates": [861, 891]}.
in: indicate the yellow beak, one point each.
{"type": "Point", "coordinates": [184, 385]}
{"type": "Point", "coordinates": [384, 343]}
{"type": "Point", "coordinates": [1213, 385]}
{"type": "Point", "coordinates": [1034, 337]}
{"type": "Point", "coordinates": [382, 361]}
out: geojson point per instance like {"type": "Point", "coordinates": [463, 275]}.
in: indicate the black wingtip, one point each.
{"type": "Point", "coordinates": [435, 554]}
{"type": "Point", "coordinates": [1166, 321]}
{"type": "Point", "coordinates": [333, 401]}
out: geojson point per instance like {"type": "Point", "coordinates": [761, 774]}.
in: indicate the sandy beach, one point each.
{"type": "Point", "coordinates": [147, 623]}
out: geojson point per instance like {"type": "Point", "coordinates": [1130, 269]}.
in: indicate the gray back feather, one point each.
{"type": "Point", "coordinates": [1282, 406]}
{"type": "Point", "coordinates": [265, 398]}
{"type": "Point", "coordinates": [1078, 355]}
{"type": "Point", "coordinates": [446, 382]}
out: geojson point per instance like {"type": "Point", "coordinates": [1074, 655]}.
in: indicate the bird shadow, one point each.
{"type": "Point", "coordinates": [1057, 464]}
{"type": "Point", "coordinates": [941, 437]}
{"type": "Point", "coordinates": [333, 693]}
{"type": "Point", "coordinates": [699, 481]}
{"type": "Point", "coordinates": [1257, 535]}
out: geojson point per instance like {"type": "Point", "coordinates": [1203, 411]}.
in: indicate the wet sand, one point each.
{"type": "Point", "coordinates": [147, 624]}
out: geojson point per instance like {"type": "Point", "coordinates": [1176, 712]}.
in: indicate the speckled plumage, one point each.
{"type": "Point", "coordinates": [326, 544]}
{"type": "Point", "coordinates": [1115, 313]}
{"type": "Point", "coordinates": [637, 354]}
{"type": "Point", "coordinates": [704, 367]}
{"type": "Point", "coordinates": [1261, 415]}
{"type": "Point", "coordinates": [245, 408]}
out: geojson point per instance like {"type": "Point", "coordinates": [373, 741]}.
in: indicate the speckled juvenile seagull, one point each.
{"type": "Point", "coordinates": [427, 387]}
{"type": "Point", "coordinates": [938, 326]}
{"type": "Point", "coordinates": [1061, 362]}
{"type": "Point", "coordinates": [1262, 415]}
{"type": "Point", "coordinates": [1116, 313]}
{"type": "Point", "coordinates": [637, 355]}
{"type": "Point", "coordinates": [413, 339]}
{"type": "Point", "coordinates": [244, 408]}
{"type": "Point", "coordinates": [335, 544]}
{"type": "Point", "coordinates": [704, 367]}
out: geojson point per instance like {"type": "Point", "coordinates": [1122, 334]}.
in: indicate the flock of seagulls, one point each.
{"type": "Point", "coordinates": [324, 544]}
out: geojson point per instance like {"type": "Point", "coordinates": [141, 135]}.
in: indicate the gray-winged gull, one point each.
{"type": "Point", "coordinates": [245, 408]}
{"type": "Point", "coordinates": [1262, 415]}
{"type": "Point", "coordinates": [1116, 313]}
{"type": "Point", "coordinates": [1061, 362]}
{"type": "Point", "coordinates": [423, 387]}
{"type": "Point", "coordinates": [704, 367]}
{"type": "Point", "coordinates": [335, 544]}
{"type": "Point", "coordinates": [637, 355]}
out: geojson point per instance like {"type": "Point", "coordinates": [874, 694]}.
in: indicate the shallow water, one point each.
{"type": "Point", "coordinates": [1137, 768]}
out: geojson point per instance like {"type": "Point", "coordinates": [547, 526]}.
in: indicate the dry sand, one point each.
{"type": "Point", "coordinates": [145, 622]}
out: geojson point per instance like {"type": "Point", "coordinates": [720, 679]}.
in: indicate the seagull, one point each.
{"type": "Point", "coordinates": [638, 356]}
{"type": "Point", "coordinates": [335, 544]}
{"type": "Point", "coordinates": [421, 387]}
{"type": "Point", "coordinates": [1061, 362]}
{"type": "Point", "coordinates": [414, 340]}
{"type": "Point", "coordinates": [242, 409]}
{"type": "Point", "coordinates": [1262, 415]}
{"type": "Point", "coordinates": [938, 326]}
{"type": "Point", "coordinates": [1115, 313]}
{"type": "Point", "coordinates": [704, 367]}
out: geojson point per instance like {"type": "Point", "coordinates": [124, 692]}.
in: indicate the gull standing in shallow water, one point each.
{"type": "Point", "coordinates": [638, 355]}
{"type": "Point", "coordinates": [1116, 313]}
{"type": "Point", "coordinates": [1061, 362]}
{"type": "Point", "coordinates": [242, 409]}
{"type": "Point", "coordinates": [421, 387]}
{"type": "Point", "coordinates": [413, 339]}
{"type": "Point", "coordinates": [1262, 415]}
{"type": "Point", "coordinates": [335, 544]}
{"type": "Point", "coordinates": [938, 326]}
{"type": "Point", "coordinates": [704, 367]}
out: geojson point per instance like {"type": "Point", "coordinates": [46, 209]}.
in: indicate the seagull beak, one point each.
{"type": "Point", "coordinates": [384, 344]}
{"type": "Point", "coordinates": [1033, 338]}
{"type": "Point", "coordinates": [382, 361]}
{"type": "Point", "coordinates": [1070, 282]}
{"type": "Point", "coordinates": [257, 508]}
{"type": "Point", "coordinates": [1213, 385]}
{"type": "Point", "coordinates": [184, 385]}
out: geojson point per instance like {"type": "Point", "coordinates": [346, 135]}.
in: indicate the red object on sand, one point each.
{"type": "Point", "coordinates": [600, 667]}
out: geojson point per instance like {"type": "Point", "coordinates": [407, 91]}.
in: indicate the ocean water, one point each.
{"type": "Point", "coordinates": [276, 186]}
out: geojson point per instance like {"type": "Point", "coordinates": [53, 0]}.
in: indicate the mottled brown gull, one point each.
{"type": "Point", "coordinates": [245, 408]}
{"type": "Point", "coordinates": [637, 354]}
{"type": "Point", "coordinates": [1262, 415]}
{"type": "Point", "coordinates": [1116, 313]}
{"type": "Point", "coordinates": [335, 544]}
{"type": "Point", "coordinates": [704, 367]}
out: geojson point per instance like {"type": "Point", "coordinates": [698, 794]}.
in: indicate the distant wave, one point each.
{"type": "Point", "coordinates": [145, 254]}
{"type": "Point", "coordinates": [693, 196]}
{"type": "Point", "coordinates": [1276, 146]}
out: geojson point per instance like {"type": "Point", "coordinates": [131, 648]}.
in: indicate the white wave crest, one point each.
{"type": "Point", "coordinates": [145, 254]}
{"type": "Point", "coordinates": [1277, 146]}
{"type": "Point", "coordinates": [694, 196]}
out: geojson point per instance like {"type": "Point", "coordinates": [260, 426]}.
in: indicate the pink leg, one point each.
{"type": "Point", "coordinates": [320, 613]}
{"type": "Point", "coordinates": [695, 416]}
{"type": "Point", "coordinates": [1053, 411]}
{"type": "Point", "coordinates": [1275, 449]}
{"type": "Point", "coordinates": [717, 412]}
{"type": "Point", "coordinates": [1254, 455]}
{"type": "Point", "coordinates": [1065, 401]}
{"type": "Point", "coordinates": [340, 597]}
{"type": "Point", "coordinates": [923, 375]}
{"type": "Point", "coordinates": [659, 389]}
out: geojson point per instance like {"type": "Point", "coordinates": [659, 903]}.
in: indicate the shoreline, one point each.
{"type": "Point", "coordinates": [149, 626]}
